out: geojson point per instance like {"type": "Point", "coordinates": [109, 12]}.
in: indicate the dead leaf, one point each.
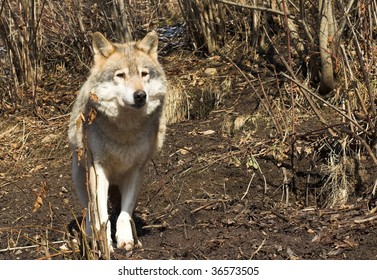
{"type": "Point", "coordinates": [93, 97]}
{"type": "Point", "coordinates": [228, 221]}
{"type": "Point", "coordinates": [40, 195]}
{"type": "Point", "coordinates": [316, 238]}
{"type": "Point", "coordinates": [308, 150]}
{"type": "Point", "coordinates": [79, 152]}
{"type": "Point", "coordinates": [210, 71]}
{"type": "Point", "coordinates": [346, 243]}
{"type": "Point", "coordinates": [184, 150]}
{"type": "Point", "coordinates": [351, 242]}
{"type": "Point", "coordinates": [38, 203]}
{"type": "Point", "coordinates": [16, 145]}
{"type": "Point", "coordinates": [292, 255]}
{"type": "Point", "coordinates": [91, 115]}
{"type": "Point", "coordinates": [335, 252]}
{"type": "Point", "coordinates": [37, 168]}
{"type": "Point", "coordinates": [49, 138]}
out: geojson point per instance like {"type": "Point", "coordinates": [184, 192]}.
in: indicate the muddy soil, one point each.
{"type": "Point", "coordinates": [212, 193]}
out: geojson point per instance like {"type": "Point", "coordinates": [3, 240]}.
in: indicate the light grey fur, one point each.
{"type": "Point", "coordinates": [121, 138]}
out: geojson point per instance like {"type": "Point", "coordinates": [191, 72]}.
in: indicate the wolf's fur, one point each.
{"type": "Point", "coordinates": [117, 119]}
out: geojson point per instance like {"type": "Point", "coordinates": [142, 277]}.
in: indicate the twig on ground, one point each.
{"type": "Point", "coordinates": [248, 187]}
{"type": "Point", "coordinates": [203, 207]}
{"type": "Point", "coordinates": [277, 214]}
{"type": "Point", "coordinates": [369, 219]}
{"type": "Point", "coordinates": [258, 249]}
{"type": "Point", "coordinates": [28, 247]}
{"type": "Point", "coordinates": [374, 188]}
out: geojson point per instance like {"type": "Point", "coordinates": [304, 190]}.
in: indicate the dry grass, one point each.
{"type": "Point", "coordinates": [177, 103]}
{"type": "Point", "coordinates": [339, 170]}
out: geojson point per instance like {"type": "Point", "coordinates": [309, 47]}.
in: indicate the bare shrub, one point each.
{"type": "Point", "coordinates": [20, 32]}
{"type": "Point", "coordinates": [206, 22]}
{"type": "Point", "coordinates": [324, 48]}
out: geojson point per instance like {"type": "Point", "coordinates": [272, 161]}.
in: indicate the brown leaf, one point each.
{"type": "Point", "coordinates": [38, 203]}
{"type": "Point", "coordinates": [16, 145]}
{"type": "Point", "coordinates": [210, 71]}
{"type": "Point", "coordinates": [351, 242]}
{"type": "Point", "coordinates": [40, 195]}
{"type": "Point", "coordinates": [94, 97]}
{"type": "Point", "coordinates": [79, 152]}
{"type": "Point", "coordinates": [292, 255]}
{"type": "Point", "coordinates": [91, 115]}
{"type": "Point", "coordinates": [184, 150]}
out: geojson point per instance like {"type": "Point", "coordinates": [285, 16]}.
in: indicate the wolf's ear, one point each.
{"type": "Point", "coordinates": [149, 44]}
{"type": "Point", "coordinates": [102, 46]}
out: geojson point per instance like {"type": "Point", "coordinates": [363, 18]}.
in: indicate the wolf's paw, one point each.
{"type": "Point", "coordinates": [124, 236]}
{"type": "Point", "coordinates": [129, 244]}
{"type": "Point", "coordinates": [126, 232]}
{"type": "Point", "coordinates": [126, 244]}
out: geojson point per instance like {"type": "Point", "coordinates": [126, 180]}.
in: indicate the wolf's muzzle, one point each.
{"type": "Point", "coordinates": [140, 98]}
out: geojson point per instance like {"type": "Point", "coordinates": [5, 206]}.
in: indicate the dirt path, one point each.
{"type": "Point", "coordinates": [213, 193]}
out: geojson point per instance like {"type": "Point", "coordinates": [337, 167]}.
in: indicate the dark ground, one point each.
{"type": "Point", "coordinates": [213, 193]}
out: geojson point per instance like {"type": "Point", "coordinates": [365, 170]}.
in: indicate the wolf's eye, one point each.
{"type": "Point", "coordinates": [121, 75]}
{"type": "Point", "coordinates": [144, 73]}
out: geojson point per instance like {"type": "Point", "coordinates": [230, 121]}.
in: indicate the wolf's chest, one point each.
{"type": "Point", "coordinates": [120, 152]}
{"type": "Point", "coordinates": [122, 156]}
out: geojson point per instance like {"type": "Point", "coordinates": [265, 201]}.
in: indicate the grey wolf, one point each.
{"type": "Point", "coordinates": [117, 122]}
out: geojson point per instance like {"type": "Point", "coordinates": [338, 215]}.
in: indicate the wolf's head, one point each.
{"type": "Point", "coordinates": [127, 76]}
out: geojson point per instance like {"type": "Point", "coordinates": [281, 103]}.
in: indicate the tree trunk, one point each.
{"type": "Point", "coordinates": [205, 19]}
{"type": "Point", "coordinates": [124, 29]}
{"type": "Point", "coordinates": [326, 31]}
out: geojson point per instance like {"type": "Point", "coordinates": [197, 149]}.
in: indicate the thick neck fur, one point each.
{"type": "Point", "coordinates": [127, 119]}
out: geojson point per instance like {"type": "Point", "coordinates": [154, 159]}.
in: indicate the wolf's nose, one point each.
{"type": "Point", "coordinates": [140, 98]}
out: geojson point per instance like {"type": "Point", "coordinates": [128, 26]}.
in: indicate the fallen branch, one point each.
{"type": "Point", "coordinates": [277, 214]}
{"type": "Point", "coordinates": [203, 207]}
{"type": "Point", "coordinates": [29, 246]}
{"type": "Point", "coordinates": [360, 221]}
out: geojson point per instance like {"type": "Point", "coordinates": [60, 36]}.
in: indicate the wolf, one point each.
{"type": "Point", "coordinates": [116, 125]}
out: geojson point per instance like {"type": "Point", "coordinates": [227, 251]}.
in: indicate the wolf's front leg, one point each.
{"type": "Point", "coordinates": [99, 188]}
{"type": "Point", "coordinates": [129, 192]}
